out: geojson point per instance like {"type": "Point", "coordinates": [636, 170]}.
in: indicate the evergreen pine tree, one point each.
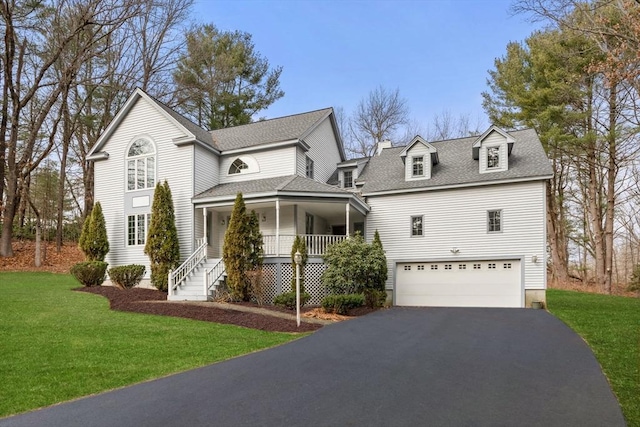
{"type": "Point", "coordinates": [162, 244]}
{"type": "Point", "coordinates": [235, 250]}
{"type": "Point", "coordinates": [254, 242]}
{"type": "Point", "coordinates": [93, 240]}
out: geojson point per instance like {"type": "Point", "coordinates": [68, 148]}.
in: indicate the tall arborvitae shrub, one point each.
{"type": "Point", "coordinates": [235, 249]}
{"type": "Point", "coordinates": [162, 244]}
{"type": "Point", "coordinates": [255, 250]}
{"type": "Point", "coordinates": [379, 270]}
{"type": "Point", "coordinates": [93, 240]}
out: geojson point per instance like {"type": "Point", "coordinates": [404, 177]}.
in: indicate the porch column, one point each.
{"type": "Point", "coordinates": [347, 223]}
{"type": "Point", "coordinates": [277, 227]}
{"type": "Point", "coordinates": [204, 219]}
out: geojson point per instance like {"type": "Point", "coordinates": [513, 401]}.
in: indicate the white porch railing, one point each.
{"type": "Point", "coordinates": [316, 243]}
{"type": "Point", "coordinates": [212, 275]}
{"type": "Point", "coordinates": [177, 276]}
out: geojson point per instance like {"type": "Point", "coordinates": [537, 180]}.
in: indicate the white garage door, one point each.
{"type": "Point", "coordinates": [459, 284]}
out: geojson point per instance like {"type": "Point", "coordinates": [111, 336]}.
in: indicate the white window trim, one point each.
{"type": "Point", "coordinates": [500, 211]}
{"type": "Point", "coordinates": [411, 218]}
{"type": "Point", "coordinates": [128, 158]}
{"type": "Point", "coordinates": [344, 179]}
{"type": "Point", "coordinates": [147, 217]}
{"type": "Point", "coordinates": [413, 175]}
{"type": "Point", "coordinates": [499, 164]}
{"type": "Point", "coordinates": [251, 162]}
{"type": "Point", "coordinates": [309, 166]}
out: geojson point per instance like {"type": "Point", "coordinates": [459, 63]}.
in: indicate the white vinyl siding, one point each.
{"type": "Point", "coordinates": [175, 164]}
{"type": "Point", "coordinates": [418, 150]}
{"type": "Point", "coordinates": [207, 172]}
{"type": "Point", "coordinates": [272, 163]}
{"type": "Point", "coordinates": [301, 162]}
{"type": "Point", "coordinates": [323, 150]}
{"type": "Point", "coordinates": [458, 219]}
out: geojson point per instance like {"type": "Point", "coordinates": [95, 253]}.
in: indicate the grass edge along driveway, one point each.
{"type": "Point", "coordinates": [57, 345]}
{"type": "Point", "coordinates": [611, 327]}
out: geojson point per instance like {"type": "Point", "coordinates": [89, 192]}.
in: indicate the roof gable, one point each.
{"type": "Point", "coordinates": [191, 131]}
{"type": "Point", "coordinates": [282, 129]}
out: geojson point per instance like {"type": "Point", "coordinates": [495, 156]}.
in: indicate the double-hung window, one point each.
{"type": "Point", "coordinates": [141, 165]}
{"type": "Point", "coordinates": [494, 221]}
{"type": "Point", "coordinates": [417, 228]}
{"type": "Point", "coordinates": [348, 179]}
{"type": "Point", "coordinates": [493, 157]}
{"type": "Point", "coordinates": [417, 164]}
{"type": "Point", "coordinates": [309, 168]}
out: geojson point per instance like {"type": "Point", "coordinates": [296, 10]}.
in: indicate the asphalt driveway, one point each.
{"type": "Point", "coordinates": [397, 367]}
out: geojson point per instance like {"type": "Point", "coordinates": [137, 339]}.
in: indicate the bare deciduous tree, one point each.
{"type": "Point", "coordinates": [378, 116]}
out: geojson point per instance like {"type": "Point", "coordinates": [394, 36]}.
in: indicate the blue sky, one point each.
{"type": "Point", "coordinates": [436, 52]}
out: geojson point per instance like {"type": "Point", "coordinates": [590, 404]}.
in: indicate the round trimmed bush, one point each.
{"type": "Point", "coordinates": [90, 273]}
{"type": "Point", "coordinates": [127, 276]}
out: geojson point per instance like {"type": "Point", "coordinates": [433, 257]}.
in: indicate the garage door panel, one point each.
{"type": "Point", "coordinates": [461, 284]}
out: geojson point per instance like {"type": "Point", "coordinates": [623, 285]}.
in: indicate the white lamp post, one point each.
{"type": "Point", "coordinates": [298, 260]}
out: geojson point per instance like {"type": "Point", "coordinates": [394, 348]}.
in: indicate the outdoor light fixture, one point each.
{"type": "Point", "coordinates": [534, 258]}
{"type": "Point", "coordinates": [455, 250]}
{"type": "Point", "coordinates": [264, 218]}
{"type": "Point", "coordinates": [298, 260]}
{"type": "Point", "coordinates": [222, 222]}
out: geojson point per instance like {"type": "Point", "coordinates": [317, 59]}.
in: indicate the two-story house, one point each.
{"type": "Point", "coordinates": [462, 221]}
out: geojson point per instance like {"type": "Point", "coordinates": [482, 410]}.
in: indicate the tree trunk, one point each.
{"type": "Point", "coordinates": [610, 189]}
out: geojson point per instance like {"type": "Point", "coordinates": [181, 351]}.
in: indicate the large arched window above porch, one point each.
{"type": "Point", "coordinates": [141, 164]}
{"type": "Point", "coordinates": [244, 164]}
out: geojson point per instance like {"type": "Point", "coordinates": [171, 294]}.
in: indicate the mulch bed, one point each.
{"type": "Point", "coordinates": [139, 300]}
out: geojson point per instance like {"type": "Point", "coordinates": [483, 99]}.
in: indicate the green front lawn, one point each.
{"type": "Point", "coordinates": [611, 327]}
{"type": "Point", "coordinates": [57, 345]}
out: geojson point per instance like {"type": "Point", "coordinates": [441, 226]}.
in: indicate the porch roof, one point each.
{"type": "Point", "coordinates": [286, 186]}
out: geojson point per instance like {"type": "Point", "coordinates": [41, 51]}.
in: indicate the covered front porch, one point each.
{"type": "Point", "coordinates": [320, 222]}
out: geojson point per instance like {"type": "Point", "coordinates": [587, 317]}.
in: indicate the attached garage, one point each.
{"type": "Point", "coordinates": [494, 283]}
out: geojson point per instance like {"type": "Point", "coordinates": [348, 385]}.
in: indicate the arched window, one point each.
{"type": "Point", "coordinates": [238, 166]}
{"type": "Point", "coordinates": [141, 165]}
{"type": "Point", "coordinates": [244, 164]}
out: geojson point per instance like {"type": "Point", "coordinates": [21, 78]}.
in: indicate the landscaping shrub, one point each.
{"type": "Point", "coordinates": [90, 273]}
{"type": "Point", "coordinates": [374, 298]}
{"type": "Point", "coordinates": [288, 299]}
{"type": "Point", "coordinates": [242, 249]}
{"type": "Point", "coordinates": [127, 276]}
{"type": "Point", "coordinates": [162, 244]}
{"type": "Point", "coordinates": [93, 239]}
{"type": "Point", "coordinates": [354, 266]}
{"type": "Point", "coordinates": [342, 303]}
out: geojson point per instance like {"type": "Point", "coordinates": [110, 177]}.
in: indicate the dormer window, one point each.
{"type": "Point", "coordinates": [417, 166]}
{"type": "Point", "coordinates": [419, 158]}
{"type": "Point", "coordinates": [237, 167]}
{"type": "Point", "coordinates": [348, 179]}
{"type": "Point", "coordinates": [493, 157]}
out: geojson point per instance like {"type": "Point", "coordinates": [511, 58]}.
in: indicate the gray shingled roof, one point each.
{"type": "Point", "coordinates": [284, 184]}
{"type": "Point", "coordinates": [386, 171]}
{"type": "Point", "coordinates": [267, 131]}
{"type": "Point", "coordinates": [201, 134]}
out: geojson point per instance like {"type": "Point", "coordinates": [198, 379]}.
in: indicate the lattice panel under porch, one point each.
{"type": "Point", "coordinates": [269, 281]}
{"type": "Point", "coordinates": [313, 282]}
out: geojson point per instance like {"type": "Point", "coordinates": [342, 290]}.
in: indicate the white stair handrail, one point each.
{"type": "Point", "coordinates": [212, 275]}
{"type": "Point", "coordinates": [180, 274]}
